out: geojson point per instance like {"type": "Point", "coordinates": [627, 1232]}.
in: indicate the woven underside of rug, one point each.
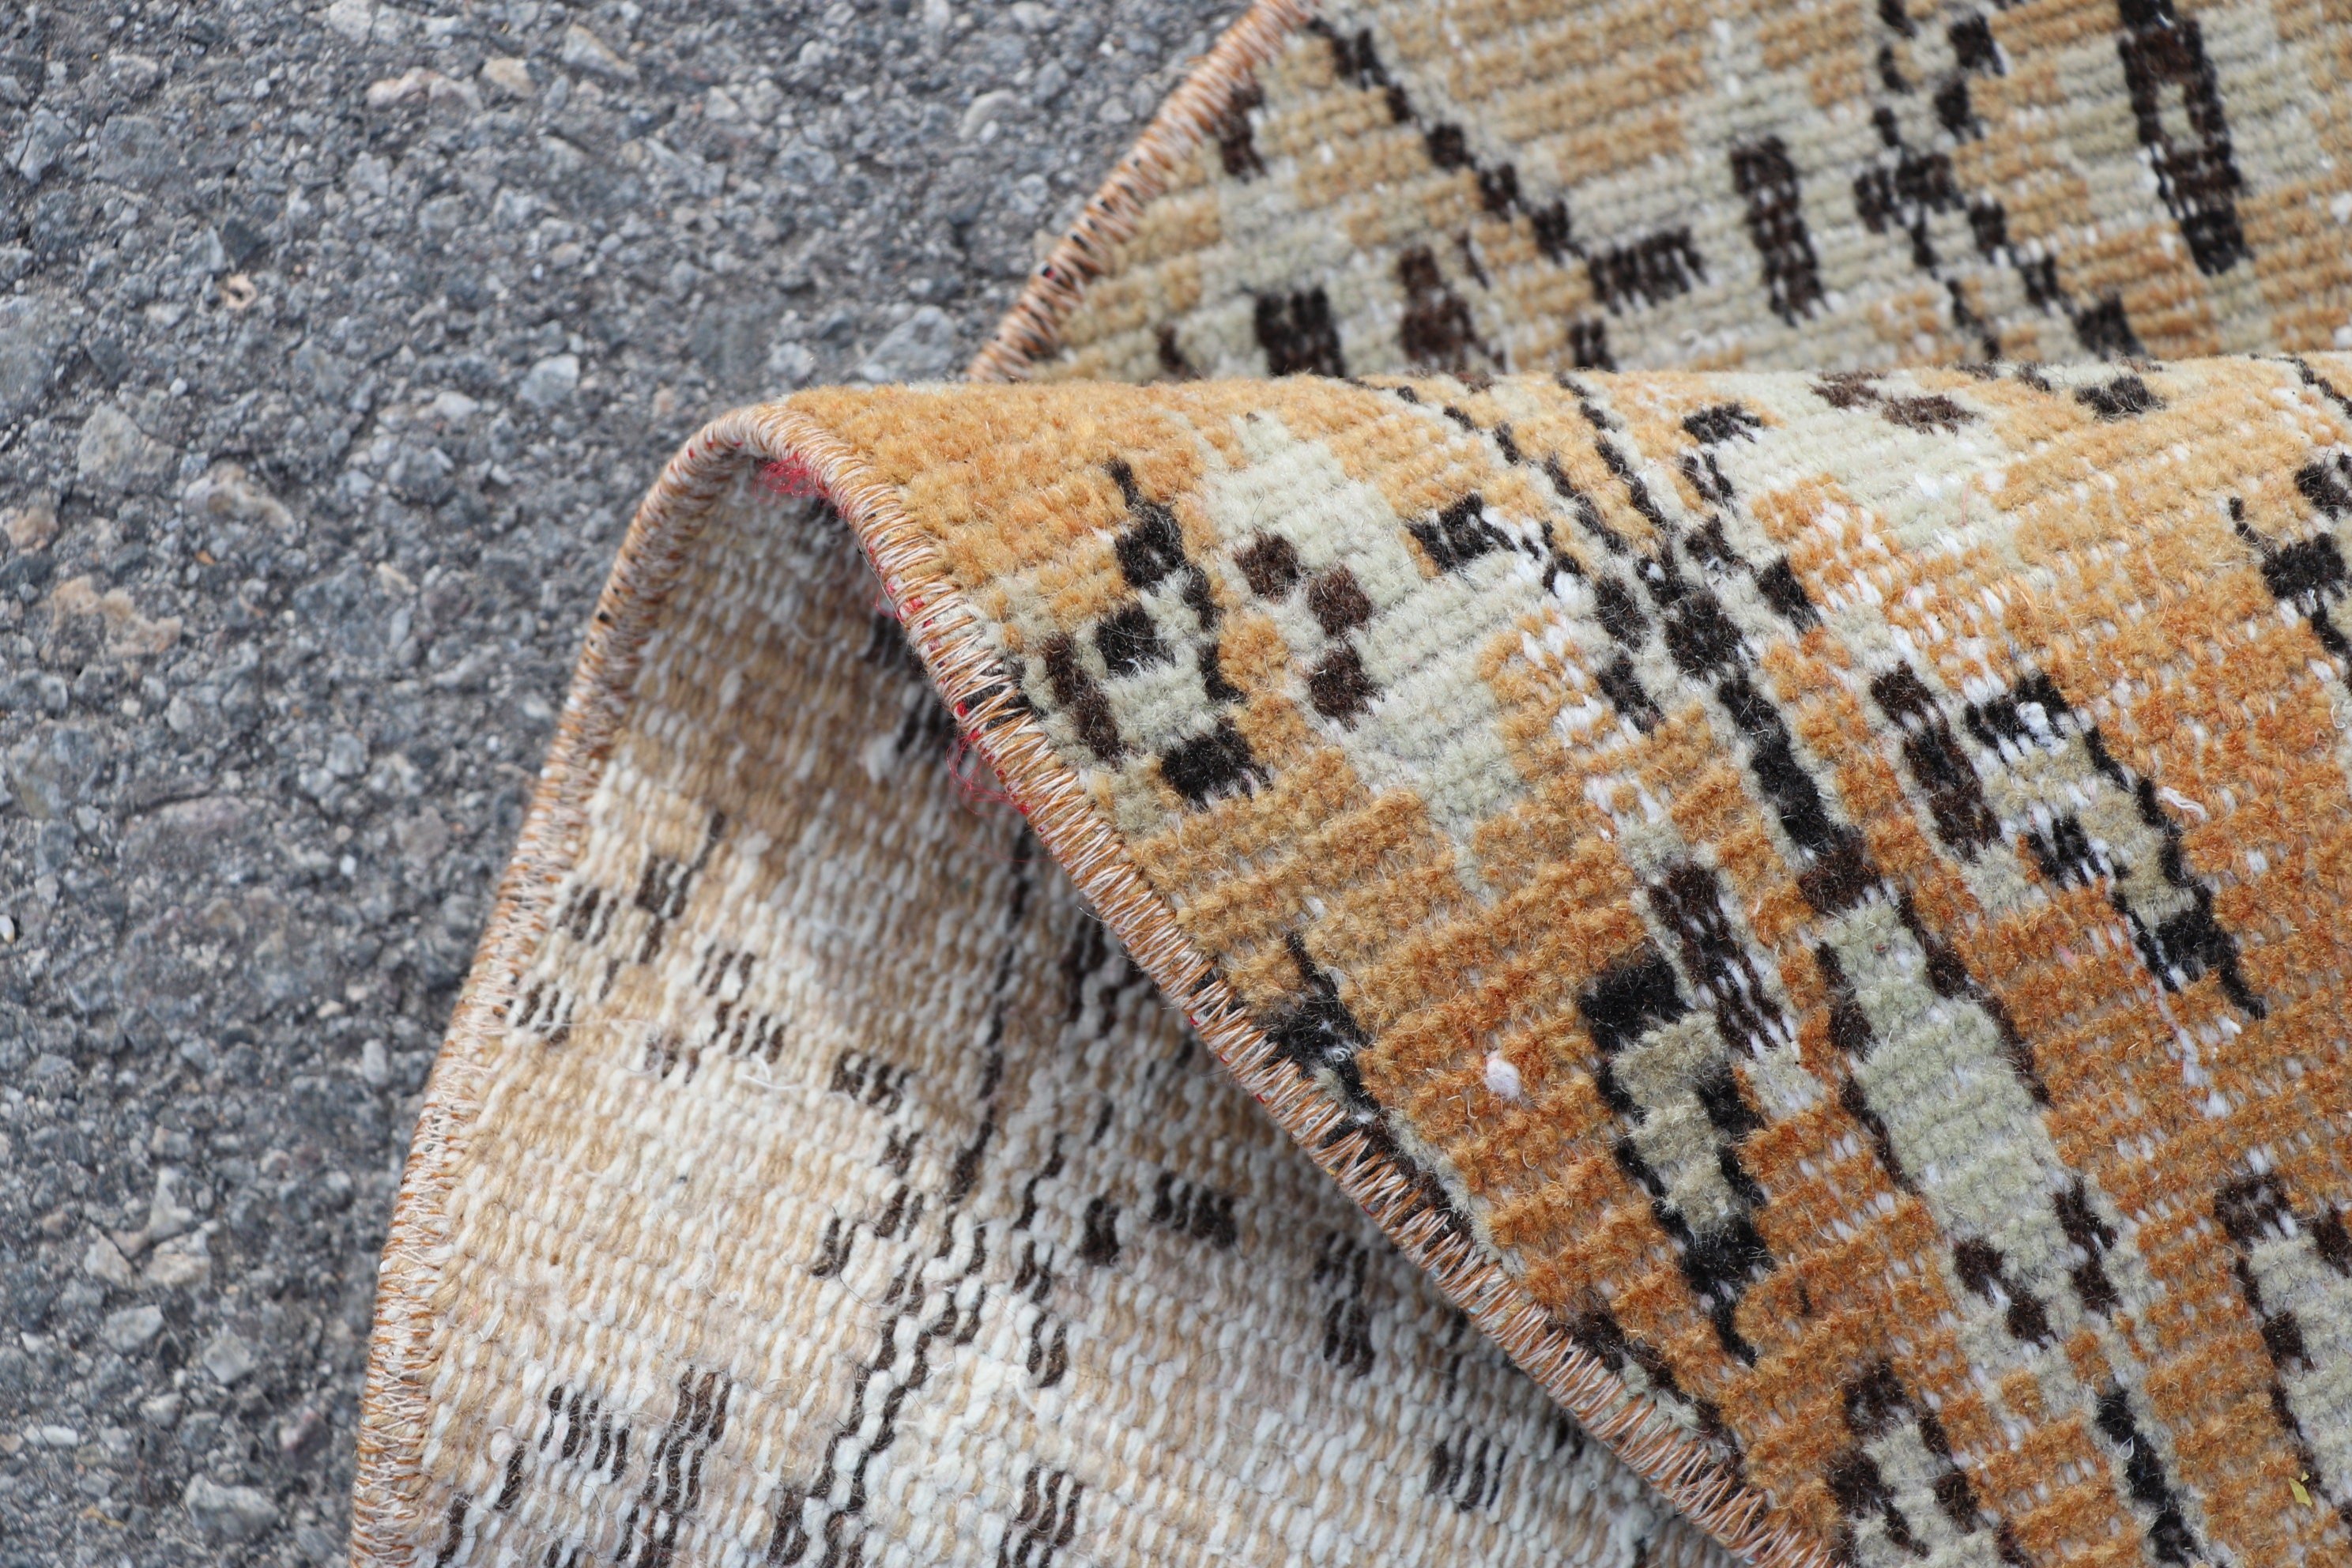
{"type": "Point", "coordinates": [1807, 906]}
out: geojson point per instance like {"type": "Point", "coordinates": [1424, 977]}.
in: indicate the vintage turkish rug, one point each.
{"type": "Point", "coordinates": [1489, 185]}
{"type": "Point", "coordinates": [1805, 901]}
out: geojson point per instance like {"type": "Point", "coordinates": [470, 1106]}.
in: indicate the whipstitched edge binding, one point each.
{"type": "Point", "coordinates": [1033, 327]}
{"type": "Point", "coordinates": [941, 625]}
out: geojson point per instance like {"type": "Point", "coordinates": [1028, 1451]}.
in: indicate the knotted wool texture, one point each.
{"type": "Point", "coordinates": [1807, 902]}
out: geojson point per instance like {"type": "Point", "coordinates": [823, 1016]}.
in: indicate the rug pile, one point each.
{"type": "Point", "coordinates": [1666, 678]}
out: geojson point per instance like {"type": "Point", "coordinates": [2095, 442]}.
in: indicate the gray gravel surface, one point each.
{"type": "Point", "coordinates": [336, 346]}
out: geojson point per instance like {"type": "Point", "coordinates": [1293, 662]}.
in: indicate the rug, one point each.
{"type": "Point", "coordinates": [1804, 902]}
{"type": "Point", "coordinates": [1489, 185]}
{"type": "Point", "coordinates": [810, 1177]}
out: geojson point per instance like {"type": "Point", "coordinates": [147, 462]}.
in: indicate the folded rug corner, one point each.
{"type": "Point", "coordinates": [1790, 855]}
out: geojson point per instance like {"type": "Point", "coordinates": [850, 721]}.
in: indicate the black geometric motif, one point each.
{"type": "Point", "coordinates": [1973, 48]}
{"type": "Point", "coordinates": [2197, 177]}
{"type": "Point", "coordinates": [1192, 1210]}
{"type": "Point", "coordinates": [1046, 1520]}
{"type": "Point", "coordinates": [1347, 1320]}
{"type": "Point", "coordinates": [1879, 1409]}
{"type": "Point", "coordinates": [1152, 546]}
{"type": "Point", "coordinates": [1467, 1471]}
{"type": "Point", "coordinates": [1270, 565]}
{"type": "Point", "coordinates": [1130, 642]}
{"type": "Point", "coordinates": [1355, 59]}
{"type": "Point", "coordinates": [1632, 998]}
{"type": "Point", "coordinates": [1173, 366]}
{"type": "Point", "coordinates": [1622, 686]}
{"type": "Point", "coordinates": [1338, 687]}
{"type": "Point", "coordinates": [1763, 173]}
{"type": "Point", "coordinates": [2092, 1238]}
{"type": "Point", "coordinates": [1336, 602]}
{"type": "Point", "coordinates": [2122, 399]}
{"type": "Point", "coordinates": [1620, 613]}
{"type": "Point", "coordinates": [673, 1487]}
{"type": "Point", "coordinates": [870, 1080]}
{"type": "Point", "coordinates": [1699, 636]}
{"type": "Point", "coordinates": [1985, 1272]}
{"type": "Point", "coordinates": [1722, 422]}
{"type": "Point", "coordinates": [1437, 331]}
{"type": "Point", "coordinates": [1299, 333]}
{"type": "Point", "coordinates": [2308, 576]}
{"type": "Point", "coordinates": [1317, 1033]}
{"type": "Point", "coordinates": [1689, 902]}
{"type": "Point", "coordinates": [2327, 484]}
{"type": "Point", "coordinates": [664, 884]}
{"type": "Point", "coordinates": [1588, 345]}
{"type": "Point", "coordinates": [1647, 270]}
{"type": "Point", "coordinates": [2167, 1529]}
{"type": "Point", "coordinates": [1935, 411]}
{"type": "Point", "coordinates": [1099, 1243]}
{"type": "Point", "coordinates": [1210, 765]}
{"type": "Point", "coordinates": [1458, 535]}
{"type": "Point", "coordinates": [1235, 147]}
{"type": "Point", "coordinates": [1904, 193]}
{"type": "Point", "coordinates": [1778, 582]}
{"type": "Point", "coordinates": [1943, 772]}
{"type": "Point", "coordinates": [2253, 1211]}
{"type": "Point", "coordinates": [2107, 330]}
{"type": "Point", "coordinates": [1077, 695]}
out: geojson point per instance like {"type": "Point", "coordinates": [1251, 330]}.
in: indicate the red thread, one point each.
{"type": "Point", "coordinates": [976, 780]}
{"type": "Point", "coordinates": [789, 477]}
